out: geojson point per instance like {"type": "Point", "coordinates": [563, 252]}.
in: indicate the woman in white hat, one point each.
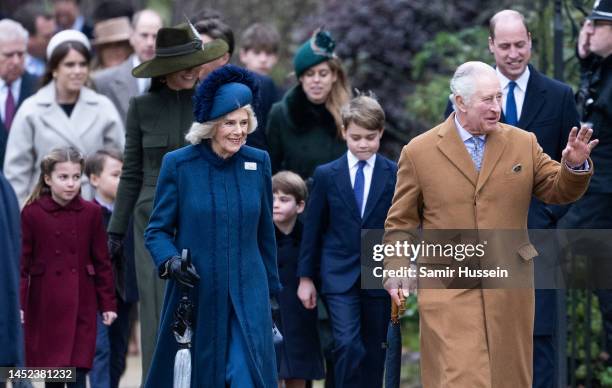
{"type": "Point", "coordinates": [64, 112]}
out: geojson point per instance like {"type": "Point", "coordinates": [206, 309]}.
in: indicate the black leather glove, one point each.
{"type": "Point", "coordinates": [182, 271]}
{"type": "Point", "coordinates": [115, 245]}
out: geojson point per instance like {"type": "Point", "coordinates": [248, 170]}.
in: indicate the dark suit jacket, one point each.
{"type": "Point", "coordinates": [28, 87]}
{"type": "Point", "coordinates": [549, 111]}
{"type": "Point", "coordinates": [124, 268]}
{"type": "Point", "coordinates": [332, 227]}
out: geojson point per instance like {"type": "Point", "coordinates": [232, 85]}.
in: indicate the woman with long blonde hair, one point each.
{"type": "Point", "coordinates": [304, 130]}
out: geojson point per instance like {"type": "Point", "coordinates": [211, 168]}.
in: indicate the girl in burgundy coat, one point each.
{"type": "Point", "coordinates": [66, 275]}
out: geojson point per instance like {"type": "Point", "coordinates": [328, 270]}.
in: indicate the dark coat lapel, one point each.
{"type": "Point", "coordinates": [28, 87]}
{"type": "Point", "coordinates": [380, 175]}
{"type": "Point", "coordinates": [534, 99]}
{"type": "Point", "coordinates": [342, 180]}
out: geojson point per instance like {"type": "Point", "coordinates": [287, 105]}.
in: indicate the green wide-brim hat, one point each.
{"type": "Point", "coordinates": [179, 48]}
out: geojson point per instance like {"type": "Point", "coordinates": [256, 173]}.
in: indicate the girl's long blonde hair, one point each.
{"type": "Point", "coordinates": [47, 165]}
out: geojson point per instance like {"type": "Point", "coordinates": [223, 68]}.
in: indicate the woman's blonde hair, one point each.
{"type": "Point", "coordinates": [206, 130]}
{"type": "Point", "coordinates": [47, 165]}
{"type": "Point", "coordinates": [340, 93]}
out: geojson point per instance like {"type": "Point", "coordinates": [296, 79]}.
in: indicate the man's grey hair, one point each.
{"type": "Point", "coordinates": [11, 31]}
{"type": "Point", "coordinates": [464, 80]}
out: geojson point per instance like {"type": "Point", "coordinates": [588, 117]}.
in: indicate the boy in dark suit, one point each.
{"type": "Point", "coordinates": [348, 194]}
{"type": "Point", "coordinates": [103, 170]}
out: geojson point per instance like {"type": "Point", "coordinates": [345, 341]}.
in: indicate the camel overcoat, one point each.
{"type": "Point", "coordinates": [477, 337]}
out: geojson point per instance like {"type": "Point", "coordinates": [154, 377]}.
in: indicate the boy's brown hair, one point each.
{"type": "Point", "coordinates": [260, 37]}
{"type": "Point", "coordinates": [364, 111]}
{"type": "Point", "coordinates": [94, 164]}
{"type": "Point", "coordinates": [290, 183]}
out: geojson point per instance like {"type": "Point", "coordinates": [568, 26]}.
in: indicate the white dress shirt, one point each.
{"type": "Point", "coordinates": [368, 169]}
{"type": "Point", "coordinates": [143, 83]}
{"type": "Point", "coordinates": [465, 136]}
{"type": "Point", "coordinates": [15, 89]}
{"type": "Point", "coordinates": [519, 90]}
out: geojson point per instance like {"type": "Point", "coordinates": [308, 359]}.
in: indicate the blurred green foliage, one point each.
{"type": "Point", "coordinates": [434, 65]}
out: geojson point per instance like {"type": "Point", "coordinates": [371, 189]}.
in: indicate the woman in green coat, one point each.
{"type": "Point", "coordinates": [156, 124]}
{"type": "Point", "coordinates": [304, 128]}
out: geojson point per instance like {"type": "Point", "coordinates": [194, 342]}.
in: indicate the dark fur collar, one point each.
{"type": "Point", "coordinates": [304, 115]}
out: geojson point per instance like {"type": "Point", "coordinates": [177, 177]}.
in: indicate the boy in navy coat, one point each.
{"type": "Point", "coordinates": [348, 194]}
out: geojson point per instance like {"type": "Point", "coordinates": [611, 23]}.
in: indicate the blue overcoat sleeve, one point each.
{"type": "Point", "coordinates": [266, 237]}
{"type": "Point", "coordinates": [159, 235]}
{"type": "Point", "coordinates": [315, 224]}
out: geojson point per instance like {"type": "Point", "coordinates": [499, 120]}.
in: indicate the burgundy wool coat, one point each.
{"type": "Point", "coordinates": [66, 278]}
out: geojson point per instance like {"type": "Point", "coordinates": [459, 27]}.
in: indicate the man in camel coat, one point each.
{"type": "Point", "coordinates": [472, 172]}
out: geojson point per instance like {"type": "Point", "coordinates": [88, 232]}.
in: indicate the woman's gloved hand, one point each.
{"type": "Point", "coordinates": [180, 270]}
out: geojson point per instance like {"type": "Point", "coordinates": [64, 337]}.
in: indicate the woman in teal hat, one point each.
{"type": "Point", "coordinates": [214, 198]}
{"type": "Point", "coordinates": [156, 124]}
{"type": "Point", "coordinates": [304, 128]}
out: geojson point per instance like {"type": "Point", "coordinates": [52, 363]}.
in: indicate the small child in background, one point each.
{"type": "Point", "coordinates": [103, 169]}
{"type": "Point", "coordinates": [299, 356]}
{"type": "Point", "coordinates": [66, 274]}
{"type": "Point", "coordinates": [259, 48]}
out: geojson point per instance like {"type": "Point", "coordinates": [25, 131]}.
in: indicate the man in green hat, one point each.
{"type": "Point", "coordinates": [156, 124]}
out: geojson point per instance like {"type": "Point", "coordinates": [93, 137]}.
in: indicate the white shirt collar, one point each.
{"type": "Point", "coordinates": [463, 133]}
{"type": "Point", "coordinates": [104, 204]}
{"type": "Point", "coordinates": [521, 81]}
{"type": "Point", "coordinates": [79, 22]}
{"type": "Point", "coordinates": [135, 60]}
{"type": "Point", "coordinates": [353, 160]}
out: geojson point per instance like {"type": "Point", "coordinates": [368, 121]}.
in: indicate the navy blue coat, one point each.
{"type": "Point", "coordinates": [28, 87]}
{"type": "Point", "coordinates": [299, 355]}
{"type": "Point", "coordinates": [11, 334]}
{"type": "Point", "coordinates": [221, 210]}
{"type": "Point", "coordinates": [332, 226]}
{"type": "Point", "coordinates": [126, 268]}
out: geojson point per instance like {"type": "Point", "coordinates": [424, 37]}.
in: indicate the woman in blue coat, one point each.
{"type": "Point", "coordinates": [214, 197]}
{"type": "Point", "coordinates": [11, 335]}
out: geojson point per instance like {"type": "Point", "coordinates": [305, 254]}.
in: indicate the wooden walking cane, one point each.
{"type": "Point", "coordinates": [398, 311]}
{"type": "Point", "coordinates": [393, 358]}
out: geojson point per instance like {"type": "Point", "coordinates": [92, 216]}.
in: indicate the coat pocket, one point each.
{"type": "Point", "coordinates": [91, 271]}
{"type": "Point", "coordinates": [527, 251]}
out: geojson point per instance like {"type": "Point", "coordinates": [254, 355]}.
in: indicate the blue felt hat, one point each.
{"type": "Point", "coordinates": [224, 90]}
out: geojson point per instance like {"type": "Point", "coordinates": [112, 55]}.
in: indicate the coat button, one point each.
{"type": "Point", "coordinates": [57, 251]}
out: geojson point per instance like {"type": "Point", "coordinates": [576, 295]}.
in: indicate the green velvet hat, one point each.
{"type": "Point", "coordinates": [179, 48]}
{"type": "Point", "coordinates": [319, 48]}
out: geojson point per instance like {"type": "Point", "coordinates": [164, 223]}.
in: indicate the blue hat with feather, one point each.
{"type": "Point", "coordinates": [223, 91]}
